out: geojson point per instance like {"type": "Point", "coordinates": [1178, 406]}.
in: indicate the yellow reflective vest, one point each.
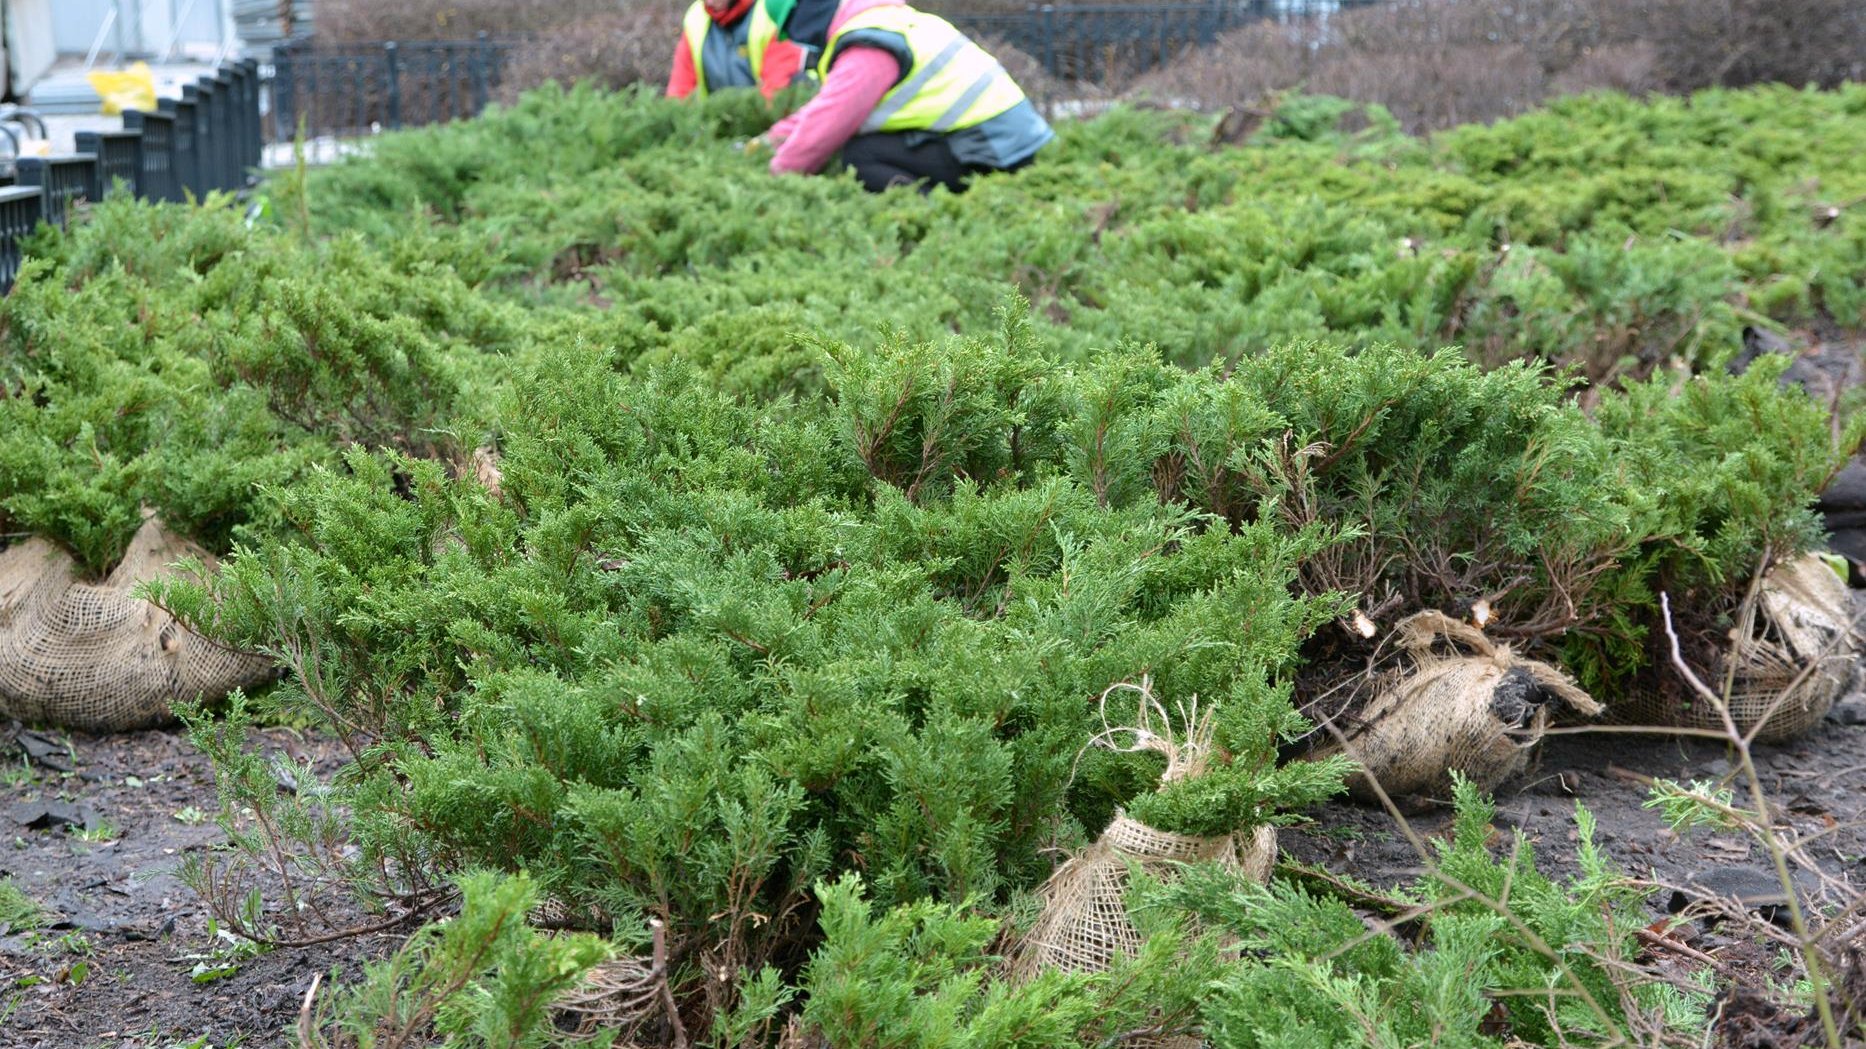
{"type": "Point", "coordinates": [733, 57]}
{"type": "Point", "coordinates": [722, 57]}
{"type": "Point", "coordinates": [949, 83]}
{"type": "Point", "coordinates": [763, 31]}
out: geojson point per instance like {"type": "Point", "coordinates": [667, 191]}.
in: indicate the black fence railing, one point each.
{"type": "Point", "coordinates": [358, 89]}
{"type": "Point", "coordinates": [62, 181]}
{"type": "Point", "coordinates": [21, 210]}
{"type": "Point", "coordinates": [209, 139]}
{"type": "Point", "coordinates": [155, 174]}
{"type": "Point", "coordinates": [119, 160]}
{"type": "Point", "coordinates": [1105, 43]}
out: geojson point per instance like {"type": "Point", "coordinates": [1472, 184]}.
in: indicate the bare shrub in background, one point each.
{"type": "Point", "coordinates": [612, 43]}
{"type": "Point", "coordinates": [1436, 63]}
{"type": "Point", "coordinates": [1729, 43]}
{"type": "Point", "coordinates": [1037, 82]}
{"type": "Point", "coordinates": [1631, 67]}
{"type": "Point", "coordinates": [612, 49]}
{"type": "Point", "coordinates": [349, 21]}
{"type": "Point", "coordinates": [1442, 85]}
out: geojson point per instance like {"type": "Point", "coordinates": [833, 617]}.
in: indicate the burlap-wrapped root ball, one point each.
{"type": "Point", "coordinates": [90, 656]}
{"type": "Point", "coordinates": [1451, 700]}
{"type": "Point", "coordinates": [1796, 650]}
{"type": "Point", "coordinates": [1084, 925]}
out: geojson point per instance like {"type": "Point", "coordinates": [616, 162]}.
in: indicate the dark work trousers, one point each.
{"type": "Point", "coordinates": [904, 158]}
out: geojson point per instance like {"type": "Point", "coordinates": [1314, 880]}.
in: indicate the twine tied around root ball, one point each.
{"type": "Point", "coordinates": [1452, 700]}
{"type": "Point", "coordinates": [1084, 924]}
{"type": "Point", "coordinates": [1186, 757]}
{"type": "Point", "coordinates": [1794, 646]}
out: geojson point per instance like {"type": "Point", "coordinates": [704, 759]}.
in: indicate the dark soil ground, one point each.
{"type": "Point", "coordinates": [1816, 787]}
{"type": "Point", "coordinates": [1818, 784]}
{"type": "Point", "coordinates": [125, 954]}
{"type": "Point", "coordinates": [114, 963]}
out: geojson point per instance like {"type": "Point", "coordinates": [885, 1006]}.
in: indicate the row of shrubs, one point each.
{"type": "Point", "coordinates": [1602, 233]}
{"type": "Point", "coordinates": [810, 546]}
{"type": "Point", "coordinates": [700, 660]}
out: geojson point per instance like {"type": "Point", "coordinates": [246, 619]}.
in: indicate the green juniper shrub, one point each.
{"type": "Point", "coordinates": [922, 974]}
{"type": "Point", "coordinates": [1492, 952]}
{"type": "Point", "coordinates": [1717, 473]}
{"type": "Point", "coordinates": [808, 558]}
{"type": "Point", "coordinates": [484, 978]}
{"type": "Point", "coordinates": [1452, 483]}
{"type": "Point", "coordinates": [701, 654]}
{"type": "Point", "coordinates": [698, 658]}
{"type": "Point", "coordinates": [1500, 954]}
{"type": "Point", "coordinates": [1613, 235]}
{"type": "Point", "coordinates": [101, 420]}
{"type": "Point", "coordinates": [205, 361]}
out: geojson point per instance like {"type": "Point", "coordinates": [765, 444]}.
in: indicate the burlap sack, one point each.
{"type": "Point", "coordinates": [1451, 700]}
{"type": "Point", "coordinates": [88, 655]}
{"type": "Point", "coordinates": [1084, 926]}
{"type": "Point", "coordinates": [1797, 655]}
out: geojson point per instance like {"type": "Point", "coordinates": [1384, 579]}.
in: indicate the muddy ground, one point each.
{"type": "Point", "coordinates": [1817, 784]}
{"type": "Point", "coordinates": [123, 957]}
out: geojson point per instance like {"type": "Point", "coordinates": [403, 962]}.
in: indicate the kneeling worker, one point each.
{"type": "Point", "coordinates": [734, 43]}
{"type": "Point", "coordinates": [907, 99]}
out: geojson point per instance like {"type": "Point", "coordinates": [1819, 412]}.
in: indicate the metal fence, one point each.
{"type": "Point", "coordinates": [208, 139]}
{"type": "Point", "coordinates": [357, 89]}
{"type": "Point", "coordinates": [119, 160]}
{"type": "Point", "coordinates": [1104, 43]}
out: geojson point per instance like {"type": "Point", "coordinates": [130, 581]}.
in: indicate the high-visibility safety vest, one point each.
{"type": "Point", "coordinates": [765, 26]}
{"type": "Point", "coordinates": [732, 57]}
{"type": "Point", "coordinates": [948, 83]}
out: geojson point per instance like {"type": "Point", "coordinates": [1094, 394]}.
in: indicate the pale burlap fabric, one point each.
{"type": "Point", "coordinates": [1084, 926]}
{"type": "Point", "coordinates": [1798, 653]}
{"type": "Point", "coordinates": [90, 656]}
{"type": "Point", "coordinates": [1452, 700]}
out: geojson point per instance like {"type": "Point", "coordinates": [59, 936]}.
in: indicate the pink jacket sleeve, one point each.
{"type": "Point", "coordinates": [853, 88]}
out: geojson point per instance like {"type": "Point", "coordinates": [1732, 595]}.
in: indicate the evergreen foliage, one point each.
{"type": "Point", "coordinates": [923, 974]}
{"type": "Point", "coordinates": [169, 358]}
{"type": "Point", "coordinates": [1502, 955]}
{"type": "Point", "coordinates": [1491, 952]}
{"type": "Point", "coordinates": [699, 658]}
{"type": "Point", "coordinates": [1601, 232]}
{"type": "Point", "coordinates": [483, 979]}
{"type": "Point", "coordinates": [810, 556]}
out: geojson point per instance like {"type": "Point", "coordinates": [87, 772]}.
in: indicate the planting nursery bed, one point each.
{"type": "Point", "coordinates": [746, 612]}
{"type": "Point", "coordinates": [155, 975]}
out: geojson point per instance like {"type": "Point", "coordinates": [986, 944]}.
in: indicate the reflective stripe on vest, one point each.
{"type": "Point", "coordinates": [950, 83]}
{"type": "Point", "coordinates": [767, 26]}
{"type": "Point", "coordinates": [719, 55]}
